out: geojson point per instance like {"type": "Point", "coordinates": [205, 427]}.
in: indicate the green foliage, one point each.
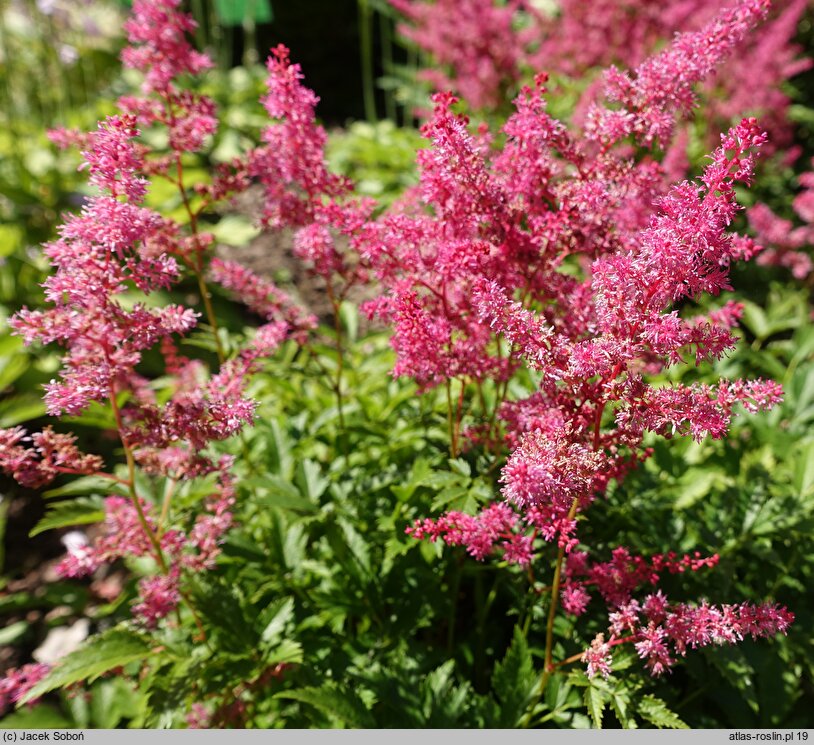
{"type": "Point", "coordinates": [111, 649]}
{"type": "Point", "coordinates": [379, 158]}
{"type": "Point", "coordinates": [321, 611]}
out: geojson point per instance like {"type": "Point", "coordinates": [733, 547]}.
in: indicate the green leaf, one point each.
{"type": "Point", "coordinates": [85, 485]}
{"type": "Point", "coordinates": [112, 648]}
{"type": "Point", "coordinates": [289, 652]}
{"type": "Point", "coordinates": [235, 230]}
{"type": "Point", "coordinates": [275, 618]}
{"type": "Point", "coordinates": [310, 480]}
{"type": "Point", "coordinates": [12, 368]}
{"type": "Point", "coordinates": [17, 409]}
{"type": "Point", "coordinates": [349, 315]}
{"type": "Point", "coordinates": [595, 702]}
{"type": "Point", "coordinates": [655, 711]}
{"type": "Point", "coordinates": [755, 320]}
{"type": "Point", "coordinates": [804, 470]}
{"type": "Point", "coordinates": [514, 680]}
{"type": "Point", "coordinates": [40, 717]}
{"type": "Point", "coordinates": [336, 703]}
{"type": "Point", "coordinates": [237, 12]}
{"type": "Point", "coordinates": [12, 633]}
{"type": "Point", "coordinates": [80, 511]}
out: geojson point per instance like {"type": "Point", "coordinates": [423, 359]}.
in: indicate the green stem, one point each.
{"type": "Point", "coordinates": [340, 355]}
{"type": "Point", "coordinates": [548, 663]}
{"type": "Point", "coordinates": [366, 50]}
{"type": "Point", "coordinates": [131, 486]}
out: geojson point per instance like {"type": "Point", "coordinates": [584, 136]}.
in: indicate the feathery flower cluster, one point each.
{"type": "Point", "coordinates": [17, 682]}
{"type": "Point", "coordinates": [261, 296]}
{"type": "Point", "coordinates": [114, 244]}
{"type": "Point", "coordinates": [484, 47]}
{"type": "Point", "coordinates": [291, 162]}
{"type": "Point", "coordinates": [565, 253]}
{"type": "Point", "coordinates": [481, 534]}
{"type": "Point", "coordinates": [661, 631]}
{"type": "Point", "coordinates": [787, 245]}
{"type": "Point", "coordinates": [617, 579]}
{"type": "Point", "coordinates": [300, 190]}
{"type": "Point", "coordinates": [569, 254]}
{"type": "Point", "coordinates": [491, 49]}
{"type": "Point", "coordinates": [50, 454]}
{"type": "Point", "coordinates": [664, 83]}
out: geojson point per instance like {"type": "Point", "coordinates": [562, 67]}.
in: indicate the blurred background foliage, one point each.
{"type": "Point", "coordinates": [421, 632]}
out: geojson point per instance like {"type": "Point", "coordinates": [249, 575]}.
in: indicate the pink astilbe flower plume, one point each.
{"type": "Point", "coordinates": [480, 50]}
{"type": "Point", "coordinates": [291, 162]}
{"type": "Point", "coordinates": [116, 246]}
{"type": "Point", "coordinates": [786, 244]}
{"type": "Point", "coordinates": [567, 254]}
{"type": "Point", "coordinates": [18, 682]}
{"type": "Point", "coordinates": [49, 455]}
{"type": "Point", "coordinates": [489, 48]}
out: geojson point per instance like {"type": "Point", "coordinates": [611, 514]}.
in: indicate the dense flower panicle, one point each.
{"type": "Point", "coordinates": [623, 32]}
{"type": "Point", "coordinates": [18, 682]}
{"type": "Point", "coordinates": [616, 580]}
{"type": "Point", "coordinates": [566, 253]}
{"type": "Point", "coordinates": [661, 632]}
{"type": "Point", "coordinates": [664, 83]}
{"type": "Point", "coordinates": [552, 478]}
{"type": "Point", "coordinates": [572, 258]}
{"type": "Point", "coordinates": [49, 455]}
{"type": "Point", "coordinates": [291, 162]}
{"type": "Point", "coordinates": [598, 658]}
{"type": "Point", "coordinates": [159, 597]}
{"type": "Point", "coordinates": [113, 160]}
{"type": "Point", "coordinates": [495, 45]}
{"type": "Point", "coordinates": [481, 534]}
{"type": "Point", "coordinates": [157, 33]}
{"type": "Point", "coordinates": [112, 246]}
{"type": "Point", "coordinates": [260, 295]}
{"type": "Point", "coordinates": [787, 244]}
{"type": "Point", "coordinates": [124, 537]}
{"type": "Point", "coordinates": [477, 42]}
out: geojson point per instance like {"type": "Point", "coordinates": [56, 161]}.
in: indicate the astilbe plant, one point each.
{"type": "Point", "coordinates": [542, 253]}
{"type": "Point", "coordinates": [116, 246]}
{"type": "Point", "coordinates": [568, 254]}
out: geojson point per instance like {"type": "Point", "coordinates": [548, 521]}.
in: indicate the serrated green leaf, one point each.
{"type": "Point", "coordinates": [514, 680]}
{"type": "Point", "coordinates": [80, 511]}
{"type": "Point", "coordinates": [288, 652]}
{"type": "Point", "coordinates": [275, 618]}
{"type": "Point", "coordinates": [621, 706]}
{"type": "Point", "coordinates": [595, 702]}
{"type": "Point", "coordinates": [655, 711]}
{"type": "Point", "coordinates": [97, 655]}
{"type": "Point", "coordinates": [310, 480]}
{"type": "Point", "coordinates": [341, 706]}
{"type": "Point", "coordinates": [86, 485]}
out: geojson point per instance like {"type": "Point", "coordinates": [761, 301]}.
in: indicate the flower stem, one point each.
{"type": "Point", "coordinates": [340, 355]}
{"type": "Point", "coordinates": [131, 484]}
{"type": "Point", "coordinates": [548, 664]}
